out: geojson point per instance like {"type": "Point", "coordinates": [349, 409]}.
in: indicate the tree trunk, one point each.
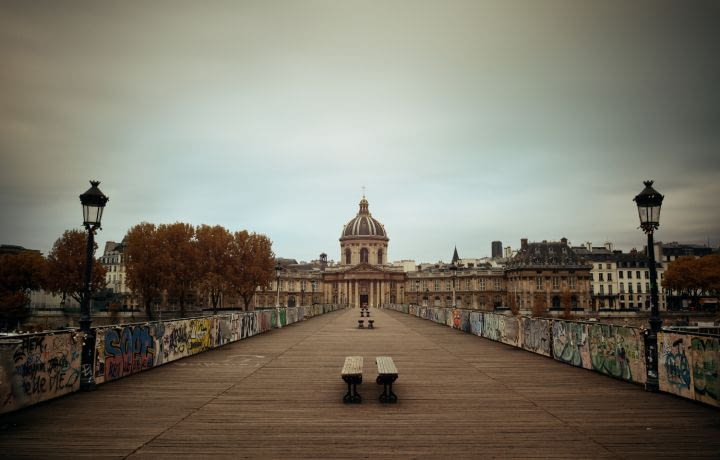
{"type": "Point", "coordinates": [148, 309]}
{"type": "Point", "coordinates": [247, 298]}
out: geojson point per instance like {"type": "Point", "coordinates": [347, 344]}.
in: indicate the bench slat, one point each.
{"type": "Point", "coordinates": [353, 365]}
{"type": "Point", "coordinates": [386, 365]}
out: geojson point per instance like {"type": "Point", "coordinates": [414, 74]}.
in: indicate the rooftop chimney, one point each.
{"type": "Point", "coordinates": [523, 243]}
{"type": "Point", "coordinates": [588, 245]}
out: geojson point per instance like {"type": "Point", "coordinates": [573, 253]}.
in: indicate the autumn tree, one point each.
{"type": "Point", "coordinates": [214, 246]}
{"type": "Point", "coordinates": [145, 264]}
{"type": "Point", "coordinates": [180, 271]}
{"type": "Point", "coordinates": [251, 264]}
{"type": "Point", "coordinates": [694, 277]}
{"type": "Point", "coordinates": [566, 300]}
{"type": "Point", "coordinates": [20, 273]}
{"type": "Point", "coordinates": [539, 307]}
{"type": "Point", "coordinates": [66, 267]}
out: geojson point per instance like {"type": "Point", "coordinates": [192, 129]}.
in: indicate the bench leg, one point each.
{"type": "Point", "coordinates": [387, 395]}
{"type": "Point", "coordinates": [352, 395]}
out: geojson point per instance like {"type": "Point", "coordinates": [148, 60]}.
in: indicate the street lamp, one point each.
{"type": "Point", "coordinates": [648, 203]}
{"type": "Point", "coordinates": [402, 294]}
{"type": "Point", "coordinates": [302, 292]}
{"type": "Point", "coordinates": [427, 295]}
{"type": "Point", "coordinates": [453, 275]}
{"type": "Point", "coordinates": [417, 291]}
{"type": "Point", "coordinates": [93, 202]}
{"type": "Point", "coordinates": [314, 286]}
{"type": "Point", "coordinates": [278, 269]}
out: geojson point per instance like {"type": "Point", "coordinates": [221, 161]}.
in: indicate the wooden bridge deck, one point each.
{"type": "Point", "coordinates": [280, 395]}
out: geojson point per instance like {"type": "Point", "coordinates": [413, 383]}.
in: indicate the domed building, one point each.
{"type": "Point", "coordinates": [363, 239]}
{"type": "Point", "coordinates": [363, 276]}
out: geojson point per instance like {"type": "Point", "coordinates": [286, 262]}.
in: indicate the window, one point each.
{"type": "Point", "coordinates": [497, 284]}
{"type": "Point", "coordinates": [467, 284]}
{"type": "Point", "coordinates": [602, 290]}
{"type": "Point", "coordinates": [482, 284]}
{"type": "Point", "coordinates": [630, 289]}
{"type": "Point", "coordinates": [629, 274]}
{"type": "Point", "coordinates": [600, 275]}
{"type": "Point", "coordinates": [380, 256]}
{"type": "Point", "coordinates": [538, 283]}
{"type": "Point", "coordinates": [447, 285]}
{"type": "Point", "coordinates": [363, 255]}
{"type": "Point", "coordinates": [639, 290]}
{"type": "Point", "coordinates": [609, 277]}
{"type": "Point", "coordinates": [622, 287]}
{"type": "Point", "coordinates": [556, 282]}
{"type": "Point", "coordinates": [637, 274]}
{"type": "Point", "coordinates": [621, 274]}
{"type": "Point", "coordinates": [647, 275]}
{"type": "Point", "coordinates": [437, 285]}
{"type": "Point", "coordinates": [573, 282]}
{"type": "Point", "coordinates": [556, 302]}
{"type": "Point", "coordinates": [348, 257]}
{"type": "Point", "coordinates": [647, 287]}
{"type": "Point", "coordinates": [607, 266]}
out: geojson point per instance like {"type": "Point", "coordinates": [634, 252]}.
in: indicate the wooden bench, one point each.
{"type": "Point", "coordinates": [352, 375]}
{"type": "Point", "coordinates": [387, 374]}
{"type": "Point", "coordinates": [370, 323]}
{"type": "Point", "coordinates": [361, 323]}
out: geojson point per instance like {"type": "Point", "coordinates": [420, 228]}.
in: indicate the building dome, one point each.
{"type": "Point", "coordinates": [363, 225]}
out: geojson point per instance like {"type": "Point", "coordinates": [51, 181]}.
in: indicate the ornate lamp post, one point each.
{"type": "Point", "coordinates": [453, 275]}
{"type": "Point", "coordinates": [302, 292]}
{"type": "Point", "coordinates": [401, 300]}
{"type": "Point", "coordinates": [427, 296]}
{"type": "Point", "coordinates": [648, 203]}
{"type": "Point", "coordinates": [93, 202]}
{"type": "Point", "coordinates": [417, 291]}
{"type": "Point", "coordinates": [278, 269]}
{"type": "Point", "coordinates": [314, 286]}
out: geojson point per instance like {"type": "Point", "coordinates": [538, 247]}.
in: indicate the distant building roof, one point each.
{"type": "Point", "coordinates": [544, 254]}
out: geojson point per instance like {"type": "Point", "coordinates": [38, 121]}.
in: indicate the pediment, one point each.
{"type": "Point", "coordinates": [365, 268]}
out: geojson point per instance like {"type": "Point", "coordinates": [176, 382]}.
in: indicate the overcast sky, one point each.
{"type": "Point", "coordinates": [466, 121]}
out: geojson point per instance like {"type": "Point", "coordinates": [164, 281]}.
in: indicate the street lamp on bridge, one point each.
{"type": "Point", "coordinates": [648, 203]}
{"type": "Point", "coordinates": [93, 203]}
{"type": "Point", "coordinates": [302, 292]}
{"type": "Point", "coordinates": [314, 286]}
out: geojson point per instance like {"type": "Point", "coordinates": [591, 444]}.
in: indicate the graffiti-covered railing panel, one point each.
{"type": "Point", "coordinates": [617, 351]}
{"type": "Point", "coordinates": [38, 367]}
{"type": "Point", "coordinates": [688, 366]}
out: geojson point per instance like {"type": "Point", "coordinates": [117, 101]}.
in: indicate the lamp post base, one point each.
{"type": "Point", "coordinates": [87, 368]}
{"type": "Point", "coordinates": [652, 383]}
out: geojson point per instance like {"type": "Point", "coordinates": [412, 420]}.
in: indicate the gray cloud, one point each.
{"type": "Point", "coordinates": [468, 121]}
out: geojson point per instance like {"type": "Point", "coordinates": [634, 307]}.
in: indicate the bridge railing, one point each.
{"type": "Point", "coordinates": [42, 366]}
{"type": "Point", "coordinates": [688, 364]}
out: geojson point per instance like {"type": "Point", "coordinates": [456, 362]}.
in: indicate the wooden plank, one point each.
{"type": "Point", "coordinates": [353, 366]}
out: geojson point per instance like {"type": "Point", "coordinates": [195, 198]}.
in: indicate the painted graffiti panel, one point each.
{"type": "Point", "coordinates": [509, 330]}
{"type": "Point", "coordinates": [476, 323]}
{"type": "Point", "coordinates": [618, 351]}
{"type": "Point", "coordinates": [705, 354]}
{"type": "Point", "coordinates": [536, 335]}
{"type": "Point", "coordinates": [569, 343]}
{"type": "Point", "coordinates": [37, 368]}
{"type": "Point", "coordinates": [491, 326]}
{"type": "Point", "coordinates": [674, 368]}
